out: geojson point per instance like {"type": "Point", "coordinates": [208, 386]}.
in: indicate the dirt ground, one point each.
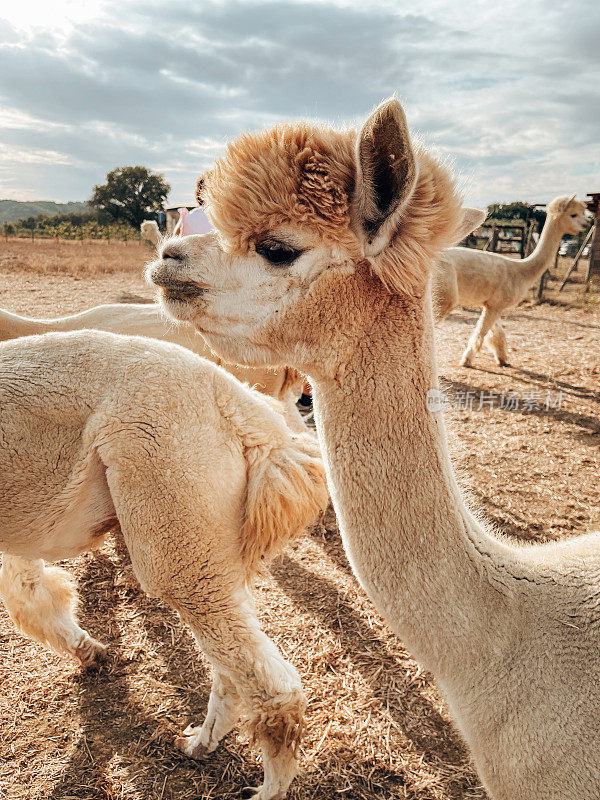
{"type": "Point", "coordinates": [526, 443]}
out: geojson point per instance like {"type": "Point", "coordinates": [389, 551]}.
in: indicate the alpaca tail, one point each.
{"type": "Point", "coordinates": [286, 491]}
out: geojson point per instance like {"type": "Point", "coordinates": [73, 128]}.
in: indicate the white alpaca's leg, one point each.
{"type": "Point", "coordinates": [495, 341]}
{"type": "Point", "coordinates": [268, 688]}
{"type": "Point", "coordinates": [192, 562]}
{"type": "Point", "coordinates": [484, 323]}
{"type": "Point", "coordinates": [223, 712]}
{"type": "Point", "coordinates": [41, 602]}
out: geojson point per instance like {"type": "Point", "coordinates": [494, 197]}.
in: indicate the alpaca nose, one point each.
{"type": "Point", "coordinates": [173, 251]}
{"type": "Point", "coordinates": [160, 276]}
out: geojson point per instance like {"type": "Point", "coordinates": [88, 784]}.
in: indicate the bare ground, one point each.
{"type": "Point", "coordinates": [376, 726]}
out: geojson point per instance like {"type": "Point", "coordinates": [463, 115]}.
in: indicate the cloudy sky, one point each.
{"type": "Point", "coordinates": [510, 91]}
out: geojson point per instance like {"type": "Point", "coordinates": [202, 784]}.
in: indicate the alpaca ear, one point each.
{"type": "Point", "coordinates": [472, 218]}
{"type": "Point", "coordinates": [570, 200]}
{"type": "Point", "coordinates": [386, 174]}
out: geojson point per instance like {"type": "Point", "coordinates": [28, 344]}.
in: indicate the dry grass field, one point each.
{"type": "Point", "coordinates": [376, 725]}
{"type": "Point", "coordinates": [66, 257]}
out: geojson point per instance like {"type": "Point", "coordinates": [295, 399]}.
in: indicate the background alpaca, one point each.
{"type": "Point", "coordinates": [470, 277]}
{"type": "Point", "coordinates": [137, 319]}
{"type": "Point", "coordinates": [150, 231]}
{"type": "Point", "coordinates": [206, 483]}
{"type": "Point", "coordinates": [332, 238]}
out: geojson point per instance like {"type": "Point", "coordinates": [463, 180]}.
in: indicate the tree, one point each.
{"type": "Point", "coordinates": [29, 223]}
{"type": "Point", "coordinates": [516, 211]}
{"type": "Point", "coordinates": [131, 194]}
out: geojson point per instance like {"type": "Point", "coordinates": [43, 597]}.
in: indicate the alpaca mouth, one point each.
{"type": "Point", "coordinates": [179, 291]}
{"type": "Point", "coordinates": [183, 293]}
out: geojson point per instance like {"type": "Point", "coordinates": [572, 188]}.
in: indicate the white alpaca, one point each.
{"type": "Point", "coordinates": [466, 277]}
{"type": "Point", "coordinates": [205, 481]}
{"type": "Point", "coordinates": [284, 384]}
{"type": "Point", "coordinates": [325, 244]}
{"type": "Point", "coordinates": [150, 231]}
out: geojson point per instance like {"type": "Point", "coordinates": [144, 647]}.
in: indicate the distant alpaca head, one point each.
{"type": "Point", "coordinates": [303, 213]}
{"type": "Point", "coordinates": [150, 231]}
{"type": "Point", "coordinates": [568, 213]}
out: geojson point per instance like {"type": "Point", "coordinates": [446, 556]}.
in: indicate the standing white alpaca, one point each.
{"type": "Point", "coordinates": [325, 245]}
{"type": "Point", "coordinates": [137, 319]}
{"type": "Point", "coordinates": [467, 277]}
{"type": "Point", "coordinates": [206, 482]}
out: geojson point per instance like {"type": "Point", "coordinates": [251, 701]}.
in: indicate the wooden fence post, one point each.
{"type": "Point", "coordinates": [573, 266]}
{"type": "Point", "coordinates": [494, 244]}
{"type": "Point", "coordinates": [593, 205]}
{"type": "Point", "coordinates": [527, 248]}
{"type": "Point", "coordinates": [594, 265]}
{"type": "Point", "coordinates": [540, 291]}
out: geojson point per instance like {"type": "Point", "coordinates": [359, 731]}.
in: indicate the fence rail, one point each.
{"type": "Point", "coordinates": [501, 238]}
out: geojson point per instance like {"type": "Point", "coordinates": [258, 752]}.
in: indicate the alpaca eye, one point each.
{"type": "Point", "coordinates": [573, 215]}
{"type": "Point", "coordinates": [276, 253]}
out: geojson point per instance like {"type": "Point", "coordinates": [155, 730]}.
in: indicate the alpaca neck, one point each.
{"type": "Point", "coordinates": [542, 257]}
{"type": "Point", "coordinates": [13, 325]}
{"type": "Point", "coordinates": [409, 538]}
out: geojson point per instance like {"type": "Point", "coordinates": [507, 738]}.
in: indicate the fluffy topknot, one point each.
{"type": "Point", "coordinates": [293, 174]}
{"type": "Point", "coordinates": [560, 204]}
{"type": "Point", "coordinates": [303, 175]}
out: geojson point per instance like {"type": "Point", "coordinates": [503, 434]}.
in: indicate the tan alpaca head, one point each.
{"type": "Point", "coordinates": [300, 211]}
{"type": "Point", "coordinates": [568, 213]}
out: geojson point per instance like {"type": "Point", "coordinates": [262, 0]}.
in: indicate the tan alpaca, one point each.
{"type": "Point", "coordinates": [206, 482]}
{"type": "Point", "coordinates": [324, 248]}
{"type": "Point", "coordinates": [465, 277]}
{"type": "Point", "coordinates": [138, 319]}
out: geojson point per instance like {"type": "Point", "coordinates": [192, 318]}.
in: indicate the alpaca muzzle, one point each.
{"type": "Point", "coordinates": [173, 285]}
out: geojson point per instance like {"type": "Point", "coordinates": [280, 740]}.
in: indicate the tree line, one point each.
{"type": "Point", "coordinates": [116, 209]}
{"type": "Point", "coordinates": [133, 194]}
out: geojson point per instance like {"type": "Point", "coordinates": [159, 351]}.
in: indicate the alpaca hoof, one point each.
{"type": "Point", "coordinates": [257, 793]}
{"type": "Point", "coordinates": [91, 653]}
{"type": "Point", "coordinates": [502, 363]}
{"type": "Point", "coordinates": [467, 359]}
{"type": "Point", "coordinates": [199, 751]}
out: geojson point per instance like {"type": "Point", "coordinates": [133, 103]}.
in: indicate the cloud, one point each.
{"type": "Point", "coordinates": [511, 96]}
